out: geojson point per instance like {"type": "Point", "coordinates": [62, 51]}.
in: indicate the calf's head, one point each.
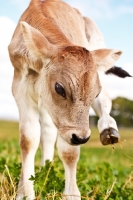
{"type": "Point", "coordinates": [68, 81]}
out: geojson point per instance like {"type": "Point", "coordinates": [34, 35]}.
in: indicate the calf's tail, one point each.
{"type": "Point", "coordinates": [118, 72]}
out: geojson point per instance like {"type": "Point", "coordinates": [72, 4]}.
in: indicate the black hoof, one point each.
{"type": "Point", "coordinates": [109, 136]}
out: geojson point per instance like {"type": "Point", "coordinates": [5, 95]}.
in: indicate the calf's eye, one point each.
{"type": "Point", "coordinates": [60, 90]}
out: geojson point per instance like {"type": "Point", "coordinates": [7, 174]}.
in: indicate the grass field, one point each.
{"type": "Point", "coordinates": [102, 172]}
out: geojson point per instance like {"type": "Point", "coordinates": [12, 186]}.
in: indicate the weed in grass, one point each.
{"type": "Point", "coordinates": [102, 173]}
{"type": "Point", "coordinates": [47, 181]}
{"type": "Point", "coordinates": [96, 178]}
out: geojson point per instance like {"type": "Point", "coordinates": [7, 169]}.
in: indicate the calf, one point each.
{"type": "Point", "coordinates": [56, 54]}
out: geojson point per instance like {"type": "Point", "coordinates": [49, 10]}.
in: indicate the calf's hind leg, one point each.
{"type": "Point", "coordinates": [48, 136]}
{"type": "Point", "coordinates": [69, 156]}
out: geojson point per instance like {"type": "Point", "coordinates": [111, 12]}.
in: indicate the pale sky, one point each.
{"type": "Point", "coordinates": [113, 17]}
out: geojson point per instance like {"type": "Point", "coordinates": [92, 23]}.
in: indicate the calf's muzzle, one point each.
{"type": "Point", "coordinates": [75, 140]}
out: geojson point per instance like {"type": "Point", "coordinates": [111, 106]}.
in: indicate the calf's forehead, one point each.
{"type": "Point", "coordinates": [73, 60]}
{"type": "Point", "coordinates": [77, 58]}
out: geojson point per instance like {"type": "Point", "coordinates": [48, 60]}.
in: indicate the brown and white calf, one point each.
{"type": "Point", "coordinates": [56, 54]}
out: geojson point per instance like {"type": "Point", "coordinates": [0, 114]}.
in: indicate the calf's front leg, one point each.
{"type": "Point", "coordinates": [29, 142]}
{"type": "Point", "coordinates": [106, 124]}
{"type": "Point", "coordinates": [69, 156]}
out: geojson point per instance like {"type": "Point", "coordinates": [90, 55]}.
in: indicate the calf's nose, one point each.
{"type": "Point", "coordinates": [75, 140]}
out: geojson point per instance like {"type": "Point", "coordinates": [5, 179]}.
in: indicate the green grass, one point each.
{"type": "Point", "coordinates": [103, 172]}
{"type": "Point", "coordinates": [8, 130]}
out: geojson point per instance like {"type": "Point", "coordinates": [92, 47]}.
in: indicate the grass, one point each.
{"type": "Point", "coordinates": [103, 172]}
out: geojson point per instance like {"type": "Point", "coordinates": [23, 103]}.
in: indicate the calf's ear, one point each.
{"type": "Point", "coordinates": [36, 43]}
{"type": "Point", "coordinates": [105, 58]}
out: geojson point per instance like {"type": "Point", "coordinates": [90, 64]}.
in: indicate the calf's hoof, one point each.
{"type": "Point", "coordinates": [109, 136]}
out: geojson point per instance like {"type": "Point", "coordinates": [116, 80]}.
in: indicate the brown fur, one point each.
{"type": "Point", "coordinates": [49, 48]}
{"type": "Point", "coordinates": [70, 158]}
{"type": "Point", "coordinates": [24, 143]}
{"type": "Point", "coordinates": [50, 24]}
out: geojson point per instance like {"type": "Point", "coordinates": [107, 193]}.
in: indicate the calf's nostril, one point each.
{"type": "Point", "coordinates": [77, 140]}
